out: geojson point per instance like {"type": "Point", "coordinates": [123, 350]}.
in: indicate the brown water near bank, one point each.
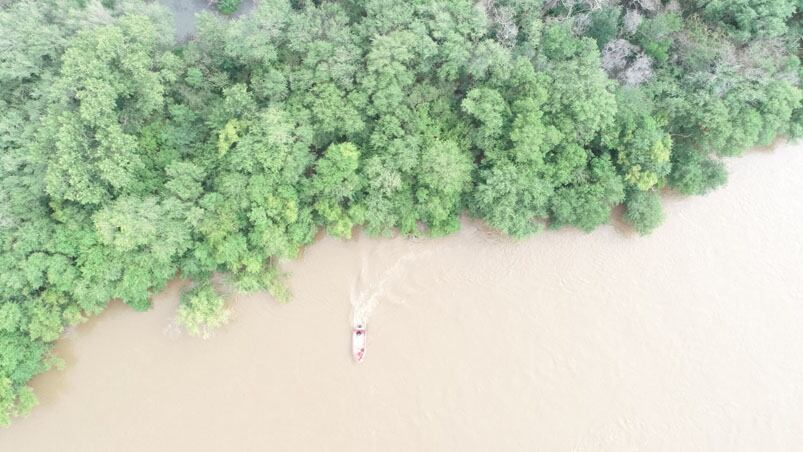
{"type": "Point", "coordinates": [689, 339]}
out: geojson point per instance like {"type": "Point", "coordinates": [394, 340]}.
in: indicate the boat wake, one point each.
{"type": "Point", "coordinates": [368, 290]}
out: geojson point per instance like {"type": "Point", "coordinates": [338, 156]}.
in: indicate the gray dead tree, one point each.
{"type": "Point", "coordinates": [626, 62]}
{"type": "Point", "coordinates": [631, 21]}
{"type": "Point", "coordinates": [504, 22]}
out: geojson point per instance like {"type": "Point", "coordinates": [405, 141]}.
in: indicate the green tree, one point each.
{"type": "Point", "coordinates": [202, 310]}
{"type": "Point", "coordinates": [747, 19]}
{"type": "Point", "coordinates": [656, 34]}
{"type": "Point", "coordinates": [444, 176]}
{"type": "Point", "coordinates": [588, 204]}
{"type": "Point", "coordinates": [335, 186]}
{"type": "Point", "coordinates": [111, 83]}
{"type": "Point", "coordinates": [643, 210]}
{"type": "Point", "coordinates": [228, 6]}
{"type": "Point", "coordinates": [604, 25]}
{"type": "Point", "coordinates": [641, 146]}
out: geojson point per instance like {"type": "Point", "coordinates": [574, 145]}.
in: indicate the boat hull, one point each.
{"type": "Point", "coordinates": [358, 343]}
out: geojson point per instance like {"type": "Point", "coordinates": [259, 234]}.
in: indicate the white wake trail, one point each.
{"type": "Point", "coordinates": [365, 301]}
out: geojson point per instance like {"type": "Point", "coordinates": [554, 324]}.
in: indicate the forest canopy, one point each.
{"type": "Point", "coordinates": [128, 158]}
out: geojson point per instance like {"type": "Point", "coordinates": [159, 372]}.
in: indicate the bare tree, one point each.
{"type": "Point", "coordinates": [645, 5]}
{"type": "Point", "coordinates": [626, 63]}
{"type": "Point", "coordinates": [572, 6]}
{"type": "Point", "coordinates": [504, 21]}
{"type": "Point", "coordinates": [616, 54]}
{"type": "Point", "coordinates": [638, 72]}
{"type": "Point", "coordinates": [673, 5]}
{"type": "Point", "coordinates": [632, 20]}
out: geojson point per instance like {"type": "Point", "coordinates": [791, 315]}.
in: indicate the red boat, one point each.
{"type": "Point", "coordinates": [358, 342]}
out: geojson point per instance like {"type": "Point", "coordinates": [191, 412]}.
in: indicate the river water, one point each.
{"type": "Point", "coordinates": [689, 339]}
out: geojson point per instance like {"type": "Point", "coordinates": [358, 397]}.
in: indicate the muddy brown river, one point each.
{"type": "Point", "coordinates": [690, 339]}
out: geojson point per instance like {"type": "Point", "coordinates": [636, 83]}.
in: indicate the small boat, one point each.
{"type": "Point", "coordinates": [358, 342]}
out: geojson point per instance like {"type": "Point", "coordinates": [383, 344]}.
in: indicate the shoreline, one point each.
{"type": "Point", "coordinates": [671, 339]}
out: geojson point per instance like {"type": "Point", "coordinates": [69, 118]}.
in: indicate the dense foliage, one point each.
{"type": "Point", "coordinates": [126, 159]}
{"type": "Point", "coordinates": [202, 310]}
{"type": "Point", "coordinates": [228, 6]}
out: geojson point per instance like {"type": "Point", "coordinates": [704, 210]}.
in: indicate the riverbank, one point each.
{"type": "Point", "coordinates": [688, 339]}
